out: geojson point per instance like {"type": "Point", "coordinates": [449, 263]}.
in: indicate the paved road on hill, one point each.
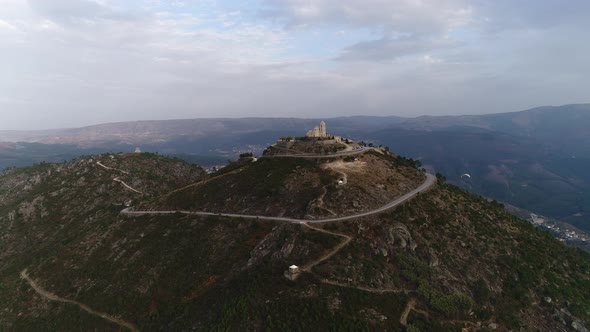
{"type": "Point", "coordinates": [316, 156]}
{"type": "Point", "coordinates": [430, 180]}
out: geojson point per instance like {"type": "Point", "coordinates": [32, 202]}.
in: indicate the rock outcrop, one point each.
{"type": "Point", "coordinates": [399, 233]}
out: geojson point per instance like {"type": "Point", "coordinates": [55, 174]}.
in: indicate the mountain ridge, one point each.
{"type": "Point", "coordinates": [518, 157]}
{"type": "Point", "coordinates": [45, 135]}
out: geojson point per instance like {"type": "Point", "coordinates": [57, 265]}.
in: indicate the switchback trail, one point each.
{"type": "Point", "coordinates": [53, 297]}
{"type": "Point", "coordinates": [117, 179]}
{"type": "Point", "coordinates": [127, 186]}
{"type": "Point", "coordinates": [341, 245]}
{"type": "Point", "coordinates": [110, 168]}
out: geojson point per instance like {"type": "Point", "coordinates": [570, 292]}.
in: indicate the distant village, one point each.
{"type": "Point", "coordinates": [561, 232]}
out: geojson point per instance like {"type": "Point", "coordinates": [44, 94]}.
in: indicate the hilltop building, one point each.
{"type": "Point", "coordinates": [317, 141]}
{"type": "Point", "coordinates": [319, 131]}
{"type": "Point", "coordinates": [292, 273]}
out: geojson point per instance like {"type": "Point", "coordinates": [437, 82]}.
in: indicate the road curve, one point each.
{"type": "Point", "coordinates": [430, 180]}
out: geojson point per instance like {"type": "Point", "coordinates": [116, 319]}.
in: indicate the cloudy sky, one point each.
{"type": "Point", "coordinates": [70, 63]}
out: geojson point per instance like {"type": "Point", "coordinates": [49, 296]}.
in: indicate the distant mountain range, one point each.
{"type": "Point", "coordinates": [535, 159]}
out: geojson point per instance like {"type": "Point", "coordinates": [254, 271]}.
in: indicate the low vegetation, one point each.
{"type": "Point", "coordinates": [296, 187]}
{"type": "Point", "coordinates": [447, 259]}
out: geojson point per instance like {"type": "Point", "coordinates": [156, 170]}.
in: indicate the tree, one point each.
{"type": "Point", "coordinates": [246, 155]}
{"type": "Point", "coordinates": [440, 178]}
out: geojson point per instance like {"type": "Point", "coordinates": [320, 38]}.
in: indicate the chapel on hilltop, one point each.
{"type": "Point", "coordinates": [318, 131]}
{"type": "Point", "coordinates": [316, 142]}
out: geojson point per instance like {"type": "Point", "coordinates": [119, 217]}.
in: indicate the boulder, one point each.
{"type": "Point", "coordinates": [399, 233]}
{"type": "Point", "coordinates": [433, 258]}
{"type": "Point", "coordinates": [578, 326]}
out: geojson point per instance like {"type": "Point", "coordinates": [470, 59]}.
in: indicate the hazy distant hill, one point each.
{"type": "Point", "coordinates": [564, 129]}
{"type": "Point", "coordinates": [153, 132]}
{"type": "Point", "coordinates": [535, 159]}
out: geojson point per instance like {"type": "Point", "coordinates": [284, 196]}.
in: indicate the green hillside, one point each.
{"type": "Point", "coordinates": [444, 261]}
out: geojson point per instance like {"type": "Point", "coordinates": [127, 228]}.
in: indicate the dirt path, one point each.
{"type": "Point", "coordinates": [341, 245]}
{"type": "Point", "coordinates": [321, 204]}
{"type": "Point", "coordinates": [368, 289]}
{"type": "Point", "coordinates": [53, 297]}
{"type": "Point", "coordinates": [403, 319]}
{"type": "Point", "coordinates": [200, 183]}
{"type": "Point", "coordinates": [343, 168]}
{"type": "Point", "coordinates": [110, 168]}
{"type": "Point", "coordinates": [346, 241]}
{"type": "Point", "coordinates": [117, 179]}
{"type": "Point", "coordinates": [127, 186]}
{"type": "Point", "coordinates": [411, 306]}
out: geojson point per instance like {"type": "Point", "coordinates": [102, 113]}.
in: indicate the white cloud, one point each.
{"type": "Point", "coordinates": [407, 26]}
{"type": "Point", "coordinates": [7, 26]}
{"type": "Point", "coordinates": [387, 48]}
{"type": "Point", "coordinates": [69, 63]}
{"type": "Point", "coordinates": [397, 15]}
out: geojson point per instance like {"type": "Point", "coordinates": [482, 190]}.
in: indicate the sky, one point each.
{"type": "Point", "coordinates": [70, 63]}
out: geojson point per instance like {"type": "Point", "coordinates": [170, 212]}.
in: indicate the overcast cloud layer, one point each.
{"type": "Point", "coordinates": [67, 63]}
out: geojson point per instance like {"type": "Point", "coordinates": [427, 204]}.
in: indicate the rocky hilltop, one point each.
{"type": "Point", "coordinates": [443, 260]}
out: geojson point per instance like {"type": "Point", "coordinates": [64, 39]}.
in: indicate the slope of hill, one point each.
{"type": "Point", "coordinates": [299, 188]}
{"type": "Point", "coordinates": [446, 260]}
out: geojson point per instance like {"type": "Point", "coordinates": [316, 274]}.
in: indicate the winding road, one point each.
{"type": "Point", "coordinates": [430, 180]}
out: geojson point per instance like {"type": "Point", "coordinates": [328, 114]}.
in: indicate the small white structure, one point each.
{"type": "Point", "coordinates": [293, 272]}
{"type": "Point", "coordinates": [137, 150]}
